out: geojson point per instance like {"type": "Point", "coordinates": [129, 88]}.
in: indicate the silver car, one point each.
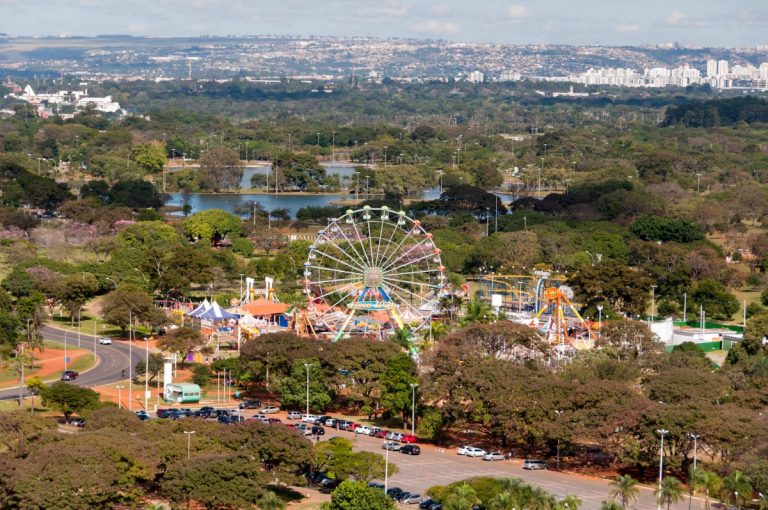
{"type": "Point", "coordinates": [269, 410]}
{"type": "Point", "coordinates": [494, 456]}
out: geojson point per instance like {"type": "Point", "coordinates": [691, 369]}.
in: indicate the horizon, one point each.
{"type": "Point", "coordinates": [709, 23]}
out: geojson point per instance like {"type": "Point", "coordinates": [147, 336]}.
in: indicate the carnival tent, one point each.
{"type": "Point", "coordinates": [216, 313]}
{"type": "Point", "coordinates": [201, 308]}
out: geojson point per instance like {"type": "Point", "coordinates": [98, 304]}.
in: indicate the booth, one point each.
{"type": "Point", "coordinates": [182, 393]}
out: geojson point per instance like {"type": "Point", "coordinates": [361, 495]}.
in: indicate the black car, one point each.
{"type": "Point", "coordinates": [426, 504]}
{"type": "Point", "coordinates": [322, 419]}
{"type": "Point", "coordinates": [221, 412]}
{"type": "Point", "coordinates": [69, 375]}
{"type": "Point", "coordinates": [317, 430]}
{"type": "Point", "coordinates": [207, 408]}
{"type": "Point", "coordinates": [394, 492]}
{"type": "Point", "coordinates": [164, 413]}
{"type": "Point", "coordinates": [78, 422]}
{"type": "Point", "coordinates": [250, 404]}
{"type": "Point", "coordinates": [200, 413]}
{"type": "Point", "coordinates": [410, 449]}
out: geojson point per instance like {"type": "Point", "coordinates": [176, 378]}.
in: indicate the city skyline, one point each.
{"type": "Point", "coordinates": [743, 23]}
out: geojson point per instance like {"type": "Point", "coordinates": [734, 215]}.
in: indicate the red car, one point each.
{"type": "Point", "coordinates": [407, 438]}
{"type": "Point", "coordinates": [290, 425]}
{"type": "Point", "coordinates": [380, 433]}
{"type": "Point", "coordinates": [351, 427]}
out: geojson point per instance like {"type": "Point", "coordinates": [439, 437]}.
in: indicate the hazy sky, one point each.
{"type": "Point", "coordinates": [610, 22]}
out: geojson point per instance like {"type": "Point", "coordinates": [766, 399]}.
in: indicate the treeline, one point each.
{"type": "Point", "coordinates": [718, 112]}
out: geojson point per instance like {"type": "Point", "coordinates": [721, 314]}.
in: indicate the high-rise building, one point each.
{"type": "Point", "coordinates": [722, 68]}
{"type": "Point", "coordinates": [711, 68]}
{"type": "Point", "coordinates": [476, 77]}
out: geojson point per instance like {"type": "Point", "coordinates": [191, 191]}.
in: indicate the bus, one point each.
{"type": "Point", "coordinates": [182, 393]}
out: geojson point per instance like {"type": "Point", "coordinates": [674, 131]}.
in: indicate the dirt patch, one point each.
{"type": "Point", "coordinates": [48, 364]}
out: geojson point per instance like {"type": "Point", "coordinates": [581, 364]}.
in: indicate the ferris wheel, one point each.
{"type": "Point", "coordinates": [372, 272]}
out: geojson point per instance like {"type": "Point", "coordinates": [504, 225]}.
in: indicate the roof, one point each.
{"type": "Point", "coordinates": [215, 312]}
{"type": "Point", "coordinates": [186, 386]}
{"type": "Point", "coordinates": [265, 307]}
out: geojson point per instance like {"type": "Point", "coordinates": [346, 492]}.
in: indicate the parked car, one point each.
{"type": "Point", "coordinates": [475, 452]}
{"type": "Point", "coordinates": [376, 485]}
{"type": "Point", "coordinates": [330, 422]}
{"type": "Point", "coordinates": [394, 436]}
{"type": "Point", "coordinates": [250, 404]}
{"type": "Point", "coordinates": [269, 410]}
{"type": "Point", "coordinates": [463, 450]}
{"type": "Point", "coordinates": [223, 419]}
{"type": "Point", "coordinates": [410, 449]}
{"type": "Point", "coordinates": [413, 499]}
{"type": "Point", "coordinates": [202, 413]}
{"type": "Point", "coordinates": [273, 421]}
{"type": "Point", "coordinates": [391, 446]}
{"type": "Point", "coordinates": [320, 420]}
{"type": "Point", "coordinates": [221, 412]}
{"type": "Point", "coordinates": [78, 422]}
{"type": "Point", "coordinates": [69, 375]}
{"type": "Point", "coordinates": [318, 430]}
{"type": "Point", "coordinates": [142, 415]}
{"type": "Point", "coordinates": [363, 429]}
{"type": "Point", "coordinates": [425, 504]}
{"type": "Point", "coordinates": [408, 438]}
{"type": "Point", "coordinates": [208, 409]}
{"type": "Point", "coordinates": [342, 424]}
{"type": "Point", "coordinates": [534, 464]}
{"type": "Point", "coordinates": [294, 415]}
{"type": "Point", "coordinates": [402, 496]}
{"type": "Point", "coordinates": [494, 456]}
{"type": "Point", "coordinates": [105, 340]}
{"type": "Point", "coordinates": [308, 418]}
{"type": "Point", "coordinates": [394, 492]}
{"type": "Point", "coordinates": [381, 433]}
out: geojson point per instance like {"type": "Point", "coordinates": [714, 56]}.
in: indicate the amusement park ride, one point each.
{"type": "Point", "coordinates": [372, 272]}
{"type": "Point", "coordinates": [543, 302]}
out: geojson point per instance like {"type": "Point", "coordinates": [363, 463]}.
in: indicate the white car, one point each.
{"type": "Point", "coordinates": [494, 456]}
{"type": "Point", "coordinates": [269, 410]}
{"type": "Point", "coordinates": [363, 430]}
{"type": "Point", "coordinates": [105, 340]}
{"type": "Point", "coordinates": [394, 436]}
{"type": "Point", "coordinates": [294, 415]}
{"type": "Point", "coordinates": [309, 418]}
{"type": "Point", "coordinates": [463, 450]}
{"type": "Point", "coordinates": [475, 452]}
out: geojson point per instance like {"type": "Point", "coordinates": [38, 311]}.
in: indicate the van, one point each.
{"type": "Point", "coordinates": [534, 464]}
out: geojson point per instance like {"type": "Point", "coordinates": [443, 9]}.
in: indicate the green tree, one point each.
{"type": "Point", "coordinates": [220, 169]}
{"type": "Point", "coordinates": [624, 488]}
{"type": "Point", "coordinates": [212, 225]}
{"type": "Point", "coordinates": [737, 487]}
{"type": "Point", "coordinates": [270, 501]}
{"type": "Point", "coordinates": [613, 283]}
{"type": "Point", "coordinates": [671, 491]}
{"type": "Point", "coordinates": [201, 375]}
{"type": "Point", "coordinates": [293, 388]}
{"type": "Point", "coordinates": [337, 458]}
{"type": "Point", "coordinates": [657, 228]}
{"type": "Point", "coordinates": [182, 342]}
{"type": "Point", "coordinates": [69, 398]}
{"type": "Point", "coordinates": [396, 392]}
{"type": "Point", "coordinates": [156, 362]}
{"type": "Point", "coordinates": [610, 505]}
{"type": "Point", "coordinates": [35, 385]}
{"type": "Point", "coordinates": [75, 290]}
{"type": "Point", "coordinates": [718, 303]}
{"type": "Point", "coordinates": [150, 157]}
{"type": "Point", "coordinates": [351, 495]}
{"type": "Point", "coordinates": [300, 170]}
{"type": "Point", "coordinates": [462, 497]}
{"type": "Point", "coordinates": [130, 302]}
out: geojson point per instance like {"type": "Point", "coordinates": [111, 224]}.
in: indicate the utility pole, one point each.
{"type": "Point", "coordinates": [189, 441]}
{"type": "Point", "coordinates": [661, 461]}
{"type": "Point", "coordinates": [413, 408]}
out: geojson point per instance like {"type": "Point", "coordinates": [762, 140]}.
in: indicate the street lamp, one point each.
{"type": "Point", "coordinates": [307, 365]}
{"type": "Point", "coordinates": [558, 413]}
{"type": "Point", "coordinates": [119, 396]}
{"type": "Point", "coordinates": [386, 468]}
{"type": "Point", "coordinates": [189, 441]}
{"type": "Point", "coordinates": [413, 408]}
{"type": "Point", "coordinates": [653, 301]}
{"type": "Point", "coordinates": [487, 221]}
{"type": "Point", "coordinates": [599, 320]}
{"type": "Point", "coordinates": [146, 375]}
{"type": "Point", "coordinates": [385, 155]}
{"type": "Point", "coordinates": [695, 438]}
{"type": "Point", "coordinates": [663, 432]}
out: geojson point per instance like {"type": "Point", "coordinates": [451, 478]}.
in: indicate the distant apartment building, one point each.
{"type": "Point", "coordinates": [476, 77]}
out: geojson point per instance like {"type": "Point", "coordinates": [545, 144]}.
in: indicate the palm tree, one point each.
{"type": "Point", "coordinates": [610, 505]}
{"type": "Point", "coordinates": [624, 488]}
{"type": "Point", "coordinates": [270, 501]}
{"type": "Point", "coordinates": [707, 482]}
{"type": "Point", "coordinates": [463, 497]}
{"type": "Point", "coordinates": [763, 501]}
{"type": "Point", "coordinates": [737, 486]}
{"type": "Point", "coordinates": [570, 502]}
{"type": "Point", "coordinates": [541, 500]}
{"type": "Point", "coordinates": [477, 311]}
{"type": "Point", "coordinates": [671, 491]}
{"type": "Point", "coordinates": [503, 501]}
{"type": "Point", "coordinates": [402, 337]}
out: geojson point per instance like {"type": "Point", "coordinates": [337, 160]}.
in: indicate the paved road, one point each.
{"type": "Point", "coordinates": [112, 360]}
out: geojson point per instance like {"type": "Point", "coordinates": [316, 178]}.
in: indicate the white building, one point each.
{"type": "Point", "coordinates": [476, 77]}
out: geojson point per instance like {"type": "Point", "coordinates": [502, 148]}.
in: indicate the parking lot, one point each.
{"type": "Point", "coordinates": [436, 466]}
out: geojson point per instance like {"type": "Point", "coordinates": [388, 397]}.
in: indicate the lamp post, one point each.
{"type": "Point", "coordinates": [558, 413]}
{"type": "Point", "coordinates": [599, 320]}
{"type": "Point", "coordinates": [695, 438]}
{"type": "Point", "coordinates": [487, 221]}
{"type": "Point", "coordinates": [386, 469]}
{"type": "Point", "coordinates": [519, 297]}
{"type": "Point", "coordinates": [307, 365]}
{"type": "Point", "coordinates": [698, 183]}
{"type": "Point", "coordinates": [413, 408]}
{"type": "Point", "coordinates": [146, 374]}
{"type": "Point", "coordinates": [663, 432]}
{"type": "Point", "coordinates": [119, 396]}
{"type": "Point", "coordinates": [653, 301]}
{"type": "Point", "coordinates": [78, 326]}
{"type": "Point", "coordinates": [189, 441]}
{"type": "Point", "coordinates": [385, 155]}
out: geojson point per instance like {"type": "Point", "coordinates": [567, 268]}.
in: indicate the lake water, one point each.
{"type": "Point", "coordinates": [229, 201]}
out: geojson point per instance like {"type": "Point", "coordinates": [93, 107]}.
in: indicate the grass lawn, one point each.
{"type": "Point", "coordinates": [80, 364]}
{"type": "Point", "coordinates": [93, 326]}
{"type": "Point", "coordinates": [748, 295]}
